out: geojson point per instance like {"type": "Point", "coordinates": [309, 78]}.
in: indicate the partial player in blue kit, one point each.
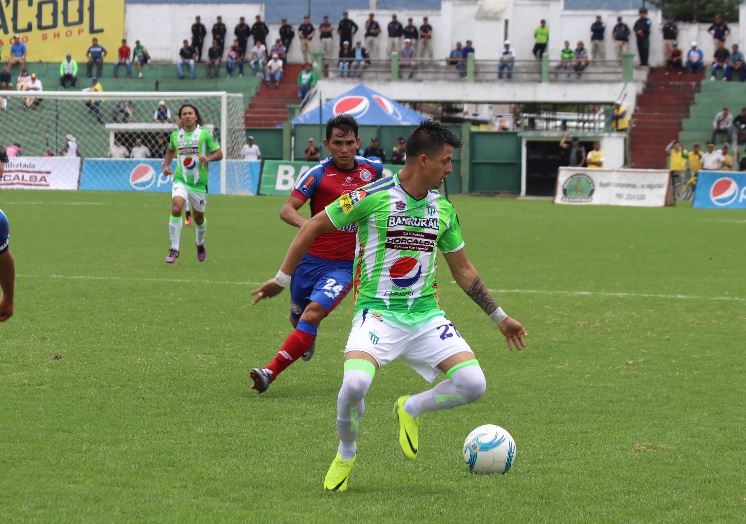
{"type": "Point", "coordinates": [7, 270]}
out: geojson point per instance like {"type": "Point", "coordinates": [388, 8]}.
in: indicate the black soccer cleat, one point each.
{"type": "Point", "coordinates": [262, 378]}
{"type": "Point", "coordinates": [308, 355]}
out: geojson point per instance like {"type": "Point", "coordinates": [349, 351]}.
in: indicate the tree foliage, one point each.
{"type": "Point", "coordinates": [699, 10]}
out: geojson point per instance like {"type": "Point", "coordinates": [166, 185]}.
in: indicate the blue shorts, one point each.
{"type": "Point", "coordinates": [317, 280]}
{"type": "Point", "coordinates": [4, 232]}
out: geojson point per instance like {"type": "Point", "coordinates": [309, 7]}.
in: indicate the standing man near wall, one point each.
{"type": "Point", "coordinates": [242, 32]}
{"type": "Point", "coordinates": [642, 31]}
{"type": "Point", "coordinates": [372, 30]}
{"type": "Point", "coordinates": [326, 38]}
{"type": "Point", "coordinates": [621, 38]}
{"type": "Point", "coordinates": [286, 35]}
{"type": "Point", "coordinates": [670, 36]}
{"type": "Point", "coordinates": [218, 34]}
{"type": "Point", "coordinates": [199, 32]}
{"type": "Point", "coordinates": [395, 31]}
{"type": "Point", "coordinates": [305, 34]}
{"type": "Point", "coordinates": [260, 31]}
{"type": "Point", "coordinates": [426, 39]}
{"type": "Point", "coordinates": [346, 29]}
{"type": "Point", "coordinates": [598, 44]}
{"type": "Point", "coordinates": [541, 39]}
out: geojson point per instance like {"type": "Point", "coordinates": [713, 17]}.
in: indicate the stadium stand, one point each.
{"type": "Point", "coordinates": [270, 105]}
{"type": "Point", "coordinates": [290, 9]}
{"type": "Point", "coordinates": [711, 99]}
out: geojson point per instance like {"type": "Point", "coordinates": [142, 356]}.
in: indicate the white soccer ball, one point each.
{"type": "Point", "coordinates": [489, 449]}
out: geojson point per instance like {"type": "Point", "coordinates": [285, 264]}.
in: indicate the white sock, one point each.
{"type": "Point", "coordinates": [201, 231]}
{"type": "Point", "coordinates": [464, 385]}
{"type": "Point", "coordinates": [350, 408]}
{"type": "Point", "coordinates": [174, 231]}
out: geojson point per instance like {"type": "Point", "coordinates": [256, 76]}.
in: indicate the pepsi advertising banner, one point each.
{"type": "Point", "coordinates": [242, 177]}
{"type": "Point", "coordinates": [720, 190]}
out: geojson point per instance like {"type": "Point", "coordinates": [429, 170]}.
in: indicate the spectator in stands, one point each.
{"type": "Point", "coordinates": [727, 164]}
{"type": "Point", "coordinates": [642, 33]}
{"type": "Point", "coordinates": [6, 80]}
{"type": "Point", "coordinates": [187, 56]}
{"type": "Point", "coordinates": [326, 37]}
{"type": "Point", "coordinates": [677, 157]}
{"type": "Point", "coordinates": [250, 150]}
{"type": "Point", "coordinates": [675, 60]}
{"type": "Point", "coordinates": [372, 32]}
{"type": "Point", "coordinates": [258, 58]}
{"type": "Point", "coordinates": [274, 70]}
{"type": "Point", "coordinates": [742, 162]}
{"type": "Point", "coordinates": [467, 50]}
{"type": "Point", "coordinates": [455, 57]}
{"type": "Point", "coordinates": [260, 30]}
{"type": "Point", "coordinates": [620, 32]}
{"type": "Point", "coordinates": [739, 124]}
{"type": "Point", "coordinates": [722, 125]}
{"type": "Point", "coordinates": [395, 32]}
{"type": "Point", "coordinates": [312, 153]}
{"type": "Point", "coordinates": [18, 53]}
{"type": "Point", "coordinates": [95, 54]}
{"type": "Point", "coordinates": [139, 150]}
{"type": "Point", "coordinates": [162, 113]}
{"type": "Point", "coordinates": [507, 59]}
{"type": "Point", "coordinates": [346, 55]}
{"type": "Point", "coordinates": [24, 78]}
{"type": "Point", "coordinates": [199, 32]}
{"type": "Point", "coordinates": [70, 149]}
{"type": "Point", "coordinates": [375, 150]}
{"type": "Point", "coordinates": [13, 150]}
{"type": "Point", "coordinates": [68, 71]}
{"type": "Point", "coordinates": [362, 59]}
{"type": "Point", "coordinates": [719, 30]}
{"type": "Point", "coordinates": [695, 160]}
{"type": "Point", "coordinates": [118, 149]}
{"type": "Point", "coordinates": [411, 32]}
{"type": "Point", "coordinates": [695, 59]}
{"type": "Point", "coordinates": [407, 57]}
{"type": "Point", "coordinates": [214, 59]}
{"type": "Point", "coordinates": [307, 78]}
{"type": "Point", "coordinates": [305, 35]}
{"type": "Point", "coordinates": [218, 34]}
{"type": "Point", "coordinates": [33, 84]}
{"type": "Point", "coordinates": [721, 57]}
{"type": "Point", "coordinates": [574, 152]}
{"type": "Point", "coordinates": [598, 44]}
{"type": "Point", "coordinates": [123, 58]}
{"type": "Point", "coordinates": [399, 152]}
{"type": "Point", "coordinates": [124, 109]}
{"type": "Point", "coordinates": [242, 32]}
{"type": "Point", "coordinates": [234, 58]}
{"type": "Point", "coordinates": [670, 35]}
{"type": "Point", "coordinates": [140, 57]}
{"type": "Point", "coordinates": [94, 105]}
{"type": "Point", "coordinates": [712, 159]}
{"type": "Point", "coordinates": [619, 118]}
{"type": "Point", "coordinates": [541, 39]}
{"type": "Point", "coordinates": [425, 48]}
{"type": "Point", "coordinates": [595, 159]}
{"type": "Point", "coordinates": [735, 64]}
{"type": "Point", "coordinates": [580, 59]}
{"type": "Point", "coordinates": [567, 56]}
{"type": "Point", "coordinates": [346, 29]}
{"type": "Point", "coordinates": [279, 49]}
{"type": "Point", "coordinates": [286, 35]}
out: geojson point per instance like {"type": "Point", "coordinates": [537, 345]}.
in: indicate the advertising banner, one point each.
{"type": "Point", "coordinates": [720, 190]}
{"type": "Point", "coordinates": [242, 177]}
{"type": "Point", "coordinates": [279, 176]}
{"type": "Point", "coordinates": [613, 187]}
{"type": "Point", "coordinates": [52, 28]}
{"type": "Point", "coordinates": [41, 173]}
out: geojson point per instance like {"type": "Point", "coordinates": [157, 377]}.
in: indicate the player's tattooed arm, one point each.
{"type": "Point", "coordinates": [479, 294]}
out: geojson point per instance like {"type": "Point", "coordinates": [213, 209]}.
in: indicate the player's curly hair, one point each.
{"type": "Point", "coordinates": [344, 122]}
{"type": "Point", "coordinates": [196, 112]}
{"type": "Point", "coordinates": [429, 138]}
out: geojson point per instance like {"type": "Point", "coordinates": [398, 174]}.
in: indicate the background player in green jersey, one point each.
{"type": "Point", "coordinates": [402, 222]}
{"type": "Point", "coordinates": [193, 147]}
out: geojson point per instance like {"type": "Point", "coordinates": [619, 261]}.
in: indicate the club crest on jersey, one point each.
{"type": "Point", "coordinates": [405, 272]}
{"type": "Point", "coordinates": [400, 206]}
{"type": "Point", "coordinates": [189, 162]}
{"type": "Point", "coordinates": [365, 175]}
{"type": "Point", "coordinates": [431, 210]}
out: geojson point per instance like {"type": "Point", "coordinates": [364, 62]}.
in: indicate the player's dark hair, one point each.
{"type": "Point", "coordinates": [344, 123]}
{"type": "Point", "coordinates": [196, 112]}
{"type": "Point", "coordinates": [429, 138]}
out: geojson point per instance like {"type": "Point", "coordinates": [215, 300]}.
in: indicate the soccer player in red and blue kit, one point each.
{"type": "Point", "coordinates": [324, 276]}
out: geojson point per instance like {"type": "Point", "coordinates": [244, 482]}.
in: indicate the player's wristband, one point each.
{"type": "Point", "coordinates": [498, 316]}
{"type": "Point", "coordinates": [282, 279]}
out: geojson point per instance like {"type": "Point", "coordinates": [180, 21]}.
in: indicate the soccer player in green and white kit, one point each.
{"type": "Point", "coordinates": [193, 147]}
{"type": "Point", "coordinates": [402, 222]}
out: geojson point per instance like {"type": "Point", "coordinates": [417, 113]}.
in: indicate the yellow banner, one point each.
{"type": "Point", "coordinates": [52, 28]}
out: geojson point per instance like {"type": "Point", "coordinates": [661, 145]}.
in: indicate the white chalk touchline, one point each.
{"type": "Point", "coordinates": [146, 279]}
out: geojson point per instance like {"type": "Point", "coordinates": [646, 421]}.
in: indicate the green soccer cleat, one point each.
{"type": "Point", "coordinates": [409, 429]}
{"type": "Point", "coordinates": [339, 474]}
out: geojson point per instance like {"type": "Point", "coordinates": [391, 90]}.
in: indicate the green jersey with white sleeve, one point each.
{"type": "Point", "coordinates": [398, 238]}
{"type": "Point", "coordinates": [188, 146]}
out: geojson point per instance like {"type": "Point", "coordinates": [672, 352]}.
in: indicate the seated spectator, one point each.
{"type": "Point", "coordinates": [507, 59]}
{"type": "Point", "coordinates": [675, 59]}
{"type": "Point", "coordinates": [362, 59]}
{"type": "Point", "coordinates": [162, 113]}
{"type": "Point", "coordinates": [140, 57]}
{"type": "Point", "coordinates": [68, 72]}
{"type": "Point", "coordinates": [374, 150]}
{"type": "Point", "coordinates": [735, 64]}
{"type": "Point", "coordinates": [580, 59]}
{"type": "Point", "coordinates": [23, 78]}
{"type": "Point", "coordinates": [619, 118]}
{"type": "Point", "coordinates": [118, 150]}
{"type": "Point", "coordinates": [720, 62]}
{"type": "Point", "coordinates": [567, 55]}
{"type": "Point", "coordinates": [455, 57]}
{"type": "Point", "coordinates": [467, 50]}
{"type": "Point", "coordinates": [712, 159]}
{"type": "Point", "coordinates": [186, 56]}
{"type": "Point", "coordinates": [399, 152]}
{"type": "Point", "coordinates": [279, 50]}
{"type": "Point", "coordinates": [123, 110]}
{"type": "Point", "coordinates": [312, 153]}
{"type": "Point", "coordinates": [70, 149]}
{"type": "Point", "coordinates": [94, 105]}
{"type": "Point", "coordinates": [727, 164]}
{"type": "Point", "coordinates": [695, 59]}
{"type": "Point", "coordinates": [274, 70]}
{"type": "Point", "coordinates": [722, 125]}
{"type": "Point", "coordinates": [214, 59]}
{"type": "Point", "coordinates": [346, 56]}
{"type": "Point", "coordinates": [95, 54]}
{"type": "Point", "coordinates": [739, 124]}
{"type": "Point", "coordinates": [234, 59]}
{"type": "Point", "coordinates": [123, 58]}
{"type": "Point", "coordinates": [6, 80]}
{"type": "Point", "coordinates": [258, 58]}
{"type": "Point", "coordinates": [306, 80]}
{"type": "Point", "coordinates": [13, 150]}
{"type": "Point", "coordinates": [407, 56]}
{"type": "Point", "coordinates": [139, 150]}
{"type": "Point", "coordinates": [33, 84]}
{"type": "Point", "coordinates": [17, 53]}
{"type": "Point", "coordinates": [742, 162]}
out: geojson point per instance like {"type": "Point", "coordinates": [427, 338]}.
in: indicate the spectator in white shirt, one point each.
{"type": "Point", "coordinates": [250, 150]}
{"type": "Point", "coordinates": [274, 70]}
{"type": "Point", "coordinates": [32, 84]}
{"type": "Point", "coordinates": [118, 150]}
{"type": "Point", "coordinates": [712, 159]}
{"type": "Point", "coordinates": [258, 58]}
{"type": "Point", "coordinates": [71, 147]}
{"type": "Point", "coordinates": [723, 125]}
{"type": "Point", "coordinates": [162, 113]}
{"type": "Point", "coordinates": [507, 59]}
{"type": "Point", "coordinates": [140, 150]}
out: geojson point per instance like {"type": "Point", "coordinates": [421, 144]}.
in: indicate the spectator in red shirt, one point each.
{"type": "Point", "coordinates": [123, 58]}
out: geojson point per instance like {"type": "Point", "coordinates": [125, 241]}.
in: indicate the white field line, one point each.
{"type": "Point", "coordinates": [141, 279]}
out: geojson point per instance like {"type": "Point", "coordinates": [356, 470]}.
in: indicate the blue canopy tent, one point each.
{"type": "Point", "coordinates": [367, 106]}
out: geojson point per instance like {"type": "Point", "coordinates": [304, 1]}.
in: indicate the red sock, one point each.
{"type": "Point", "coordinates": [295, 345]}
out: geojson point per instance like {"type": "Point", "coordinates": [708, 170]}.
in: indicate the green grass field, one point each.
{"type": "Point", "coordinates": [124, 393]}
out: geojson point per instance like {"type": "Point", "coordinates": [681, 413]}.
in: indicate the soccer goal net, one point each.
{"type": "Point", "coordinates": [117, 126]}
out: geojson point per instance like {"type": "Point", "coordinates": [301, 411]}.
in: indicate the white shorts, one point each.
{"type": "Point", "coordinates": [422, 348]}
{"type": "Point", "coordinates": [197, 200]}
